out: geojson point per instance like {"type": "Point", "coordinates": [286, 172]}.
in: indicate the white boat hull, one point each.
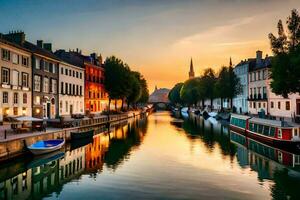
{"type": "Point", "coordinates": [184, 112]}
{"type": "Point", "coordinates": [39, 151]}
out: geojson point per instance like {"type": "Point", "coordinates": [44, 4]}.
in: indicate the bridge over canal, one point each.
{"type": "Point", "coordinates": [159, 98]}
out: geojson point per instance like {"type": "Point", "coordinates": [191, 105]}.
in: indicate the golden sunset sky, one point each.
{"type": "Point", "coordinates": [158, 37]}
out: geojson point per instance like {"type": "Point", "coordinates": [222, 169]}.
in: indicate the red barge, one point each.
{"type": "Point", "coordinates": [277, 133]}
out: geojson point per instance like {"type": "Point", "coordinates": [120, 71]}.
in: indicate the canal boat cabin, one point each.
{"type": "Point", "coordinates": [269, 131]}
{"type": "Point", "coordinates": [239, 122]}
{"type": "Point", "coordinates": [273, 131]}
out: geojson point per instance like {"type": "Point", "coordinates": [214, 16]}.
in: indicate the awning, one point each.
{"type": "Point", "coordinates": [28, 119]}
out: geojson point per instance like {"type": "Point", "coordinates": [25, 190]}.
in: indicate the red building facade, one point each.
{"type": "Point", "coordinates": [96, 99]}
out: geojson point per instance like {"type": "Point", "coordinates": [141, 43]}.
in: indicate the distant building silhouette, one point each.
{"type": "Point", "coordinates": [159, 96]}
{"type": "Point", "coordinates": [191, 72]}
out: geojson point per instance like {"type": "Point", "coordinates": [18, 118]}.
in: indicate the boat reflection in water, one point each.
{"type": "Point", "coordinates": [45, 176]}
{"type": "Point", "coordinates": [280, 169]}
{"type": "Point", "coordinates": [271, 164]}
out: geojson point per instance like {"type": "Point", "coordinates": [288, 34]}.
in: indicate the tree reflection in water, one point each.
{"type": "Point", "coordinates": [272, 165]}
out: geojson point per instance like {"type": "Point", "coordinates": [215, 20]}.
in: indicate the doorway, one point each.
{"type": "Point", "coordinates": [48, 110]}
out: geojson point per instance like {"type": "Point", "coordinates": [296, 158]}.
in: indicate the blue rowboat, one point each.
{"type": "Point", "coordinates": [46, 146]}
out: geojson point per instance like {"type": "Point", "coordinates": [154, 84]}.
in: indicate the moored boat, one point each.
{"type": "Point", "coordinates": [81, 135]}
{"type": "Point", "coordinates": [185, 112]}
{"type": "Point", "coordinates": [274, 132]}
{"type": "Point", "coordinates": [46, 146]}
{"type": "Point", "coordinates": [239, 122]}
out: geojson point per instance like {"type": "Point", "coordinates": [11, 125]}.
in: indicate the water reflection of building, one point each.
{"type": "Point", "coordinates": [94, 153]}
{"type": "Point", "coordinates": [45, 178]}
{"type": "Point", "coordinates": [35, 179]}
{"type": "Point", "coordinates": [270, 163]}
{"type": "Point", "coordinates": [17, 187]}
{"type": "Point", "coordinates": [42, 176]}
{"type": "Point", "coordinates": [72, 165]}
{"type": "Point", "coordinates": [263, 158]}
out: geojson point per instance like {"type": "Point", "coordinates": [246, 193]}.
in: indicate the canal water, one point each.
{"type": "Point", "coordinates": [157, 158]}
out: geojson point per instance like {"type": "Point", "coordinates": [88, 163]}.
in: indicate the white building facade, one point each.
{"type": "Point", "coordinates": [240, 102]}
{"type": "Point", "coordinates": [280, 108]}
{"type": "Point", "coordinates": [257, 76]}
{"type": "Point", "coordinates": [16, 76]}
{"type": "Point", "coordinates": [262, 99]}
{"type": "Point", "coordinates": [71, 89]}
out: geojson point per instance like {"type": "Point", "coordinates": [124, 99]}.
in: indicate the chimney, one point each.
{"type": "Point", "coordinates": [100, 59]}
{"type": "Point", "coordinates": [39, 43]}
{"type": "Point", "coordinates": [48, 46]}
{"type": "Point", "coordinates": [258, 57]}
{"type": "Point", "coordinates": [17, 37]}
{"type": "Point", "coordinates": [94, 58]}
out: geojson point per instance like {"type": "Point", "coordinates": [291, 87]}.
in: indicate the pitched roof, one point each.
{"type": "Point", "coordinates": [13, 44]}
{"type": "Point", "coordinates": [70, 57]}
{"type": "Point", "coordinates": [38, 50]}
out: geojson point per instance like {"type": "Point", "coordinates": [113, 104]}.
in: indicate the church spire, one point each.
{"type": "Point", "coordinates": [191, 72]}
{"type": "Point", "coordinates": [230, 62]}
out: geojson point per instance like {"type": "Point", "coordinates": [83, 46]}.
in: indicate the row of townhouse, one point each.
{"type": "Point", "coordinates": [257, 96]}
{"type": "Point", "coordinates": [35, 81]}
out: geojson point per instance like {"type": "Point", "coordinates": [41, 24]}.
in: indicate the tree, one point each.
{"type": "Point", "coordinates": [113, 78]}
{"type": "Point", "coordinates": [174, 94]}
{"type": "Point", "coordinates": [135, 89]}
{"type": "Point", "coordinates": [285, 71]}
{"type": "Point", "coordinates": [191, 91]}
{"type": "Point", "coordinates": [234, 85]}
{"type": "Point", "coordinates": [227, 85]}
{"type": "Point", "coordinates": [208, 81]}
{"type": "Point", "coordinates": [221, 84]}
{"type": "Point", "coordinates": [145, 91]}
{"type": "Point", "coordinates": [144, 88]}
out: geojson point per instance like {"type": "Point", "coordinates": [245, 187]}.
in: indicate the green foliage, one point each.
{"type": "Point", "coordinates": [135, 89]}
{"type": "Point", "coordinates": [144, 95]}
{"type": "Point", "coordinates": [174, 94]}
{"type": "Point", "coordinates": [228, 84]}
{"type": "Point", "coordinates": [122, 83]}
{"type": "Point", "coordinates": [114, 72]}
{"type": "Point", "coordinates": [286, 62]}
{"type": "Point", "coordinates": [221, 83]}
{"type": "Point", "coordinates": [208, 86]}
{"type": "Point", "coordinates": [208, 80]}
{"type": "Point", "coordinates": [192, 91]}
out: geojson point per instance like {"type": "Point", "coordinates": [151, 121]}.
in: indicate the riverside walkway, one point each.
{"type": "Point", "coordinates": [7, 134]}
{"type": "Point", "coordinates": [15, 143]}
